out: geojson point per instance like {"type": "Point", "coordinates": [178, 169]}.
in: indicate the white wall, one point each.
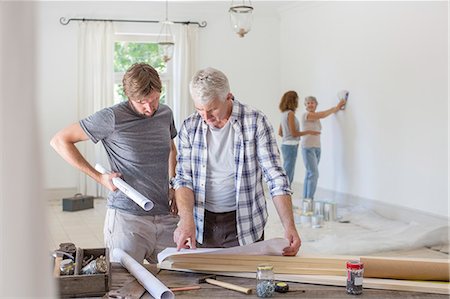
{"type": "Point", "coordinates": [251, 63]}
{"type": "Point", "coordinates": [390, 144]}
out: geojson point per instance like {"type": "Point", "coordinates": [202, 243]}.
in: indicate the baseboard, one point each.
{"type": "Point", "coordinates": [391, 211]}
{"type": "Point", "coordinates": [58, 193]}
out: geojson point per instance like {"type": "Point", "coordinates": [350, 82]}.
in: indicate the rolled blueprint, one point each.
{"type": "Point", "coordinates": [129, 191]}
{"type": "Point", "coordinates": [152, 284]}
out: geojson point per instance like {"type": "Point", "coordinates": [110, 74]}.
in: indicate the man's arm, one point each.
{"type": "Point", "coordinates": [184, 235]}
{"type": "Point", "coordinates": [172, 164]}
{"type": "Point", "coordinates": [277, 181]}
{"type": "Point", "coordinates": [283, 204]}
{"type": "Point", "coordinates": [172, 159]}
{"type": "Point", "coordinates": [64, 144]}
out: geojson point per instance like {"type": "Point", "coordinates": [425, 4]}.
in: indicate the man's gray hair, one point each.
{"type": "Point", "coordinates": [209, 84]}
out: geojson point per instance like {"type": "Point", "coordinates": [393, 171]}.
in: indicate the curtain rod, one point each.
{"type": "Point", "coordinates": [65, 21]}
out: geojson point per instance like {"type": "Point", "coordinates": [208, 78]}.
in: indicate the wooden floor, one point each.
{"type": "Point", "coordinates": [173, 279]}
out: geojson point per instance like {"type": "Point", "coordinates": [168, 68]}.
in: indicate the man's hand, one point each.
{"type": "Point", "coordinates": [184, 235]}
{"type": "Point", "coordinates": [294, 242]}
{"type": "Point", "coordinates": [106, 180]}
{"type": "Point", "coordinates": [172, 202]}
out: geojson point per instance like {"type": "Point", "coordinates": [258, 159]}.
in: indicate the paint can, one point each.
{"type": "Point", "coordinates": [305, 220]}
{"type": "Point", "coordinates": [307, 205]}
{"type": "Point", "coordinates": [297, 217]}
{"type": "Point", "coordinates": [318, 207]}
{"type": "Point", "coordinates": [329, 211]}
{"type": "Point", "coordinates": [355, 272]}
{"type": "Point", "coordinates": [317, 221]}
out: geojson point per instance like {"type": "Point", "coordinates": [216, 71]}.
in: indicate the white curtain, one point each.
{"type": "Point", "coordinates": [185, 65]}
{"type": "Point", "coordinates": [95, 90]}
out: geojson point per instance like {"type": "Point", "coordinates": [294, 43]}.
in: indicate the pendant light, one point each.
{"type": "Point", "coordinates": [165, 40]}
{"type": "Point", "coordinates": [241, 17]}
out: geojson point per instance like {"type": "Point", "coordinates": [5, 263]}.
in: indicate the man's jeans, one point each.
{"type": "Point", "coordinates": [289, 158]}
{"type": "Point", "coordinates": [311, 158]}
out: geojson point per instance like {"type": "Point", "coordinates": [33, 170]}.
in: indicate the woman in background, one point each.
{"type": "Point", "coordinates": [290, 132]}
{"type": "Point", "coordinates": [311, 143]}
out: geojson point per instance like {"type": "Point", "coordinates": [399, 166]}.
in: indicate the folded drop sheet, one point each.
{"type": "Point", "coordinates": [155, 287]}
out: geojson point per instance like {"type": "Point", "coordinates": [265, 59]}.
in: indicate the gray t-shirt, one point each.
{"type": "Point", "coordinates": [138, 147]}
{"type": "Point", "coordinates": [314, 125]}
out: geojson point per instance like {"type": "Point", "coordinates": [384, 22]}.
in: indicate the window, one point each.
{"type": "Point", "coordinates": [136, 48]}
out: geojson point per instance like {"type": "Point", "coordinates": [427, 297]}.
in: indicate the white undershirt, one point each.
{"type": "Point", "coordinates": [220, 171]}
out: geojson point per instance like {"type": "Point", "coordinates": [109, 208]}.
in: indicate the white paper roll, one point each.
{"type": "Point", "coordinates": [152, 284]}
{"type": "Point", "coordinates": [129, 191]}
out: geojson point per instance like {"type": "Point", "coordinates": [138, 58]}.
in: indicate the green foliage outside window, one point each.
{"type": "Point", "coordinates": [128, 53]}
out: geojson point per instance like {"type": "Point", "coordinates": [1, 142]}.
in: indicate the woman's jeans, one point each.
{"type": "Point", "coordinates": [289, 158]}
{"type": "Point", "coordinates": [311, 158]}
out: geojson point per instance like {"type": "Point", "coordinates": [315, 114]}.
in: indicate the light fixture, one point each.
{"type": "Point", "coordinates": [241, 17]}
{"type": "Point", "coordinates": [165, 40]}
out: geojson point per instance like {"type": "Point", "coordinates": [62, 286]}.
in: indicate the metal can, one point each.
{"type": "Point", "coordinates": [307, 205]}
{"type": "Point", "coordinates": [355, 272]}
{"type": "Point", "coordinates": [96, 266]}
{"type": "Point", "coordinates": [329, 211]}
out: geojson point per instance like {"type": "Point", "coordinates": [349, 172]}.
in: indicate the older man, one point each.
{"type": "Point", "coordinates": [225, 148]}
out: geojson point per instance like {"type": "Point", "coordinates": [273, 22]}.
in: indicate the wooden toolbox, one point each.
{"type": "Point", "coordinates": [83, 285]}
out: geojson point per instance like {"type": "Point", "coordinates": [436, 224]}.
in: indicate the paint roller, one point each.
{"type": "Point", "coordinates": [343, 95]}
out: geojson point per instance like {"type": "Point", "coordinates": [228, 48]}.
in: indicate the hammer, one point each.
{"type": "Point", "coordinates": [212, 280]}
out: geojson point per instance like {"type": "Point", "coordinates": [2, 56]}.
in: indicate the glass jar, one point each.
{"type": "Point", "coordinates": [265, 285]}
{"type": "Point", "coordinates": [355, 271]}
{"type": "Point", "coordinates": [67, 267]}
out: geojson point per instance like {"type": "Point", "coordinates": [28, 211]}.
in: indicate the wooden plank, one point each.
{"type": "Point", "coordinates": [254, 264]}
{"type": "Point", "coordinates": [268, 258]}
{"type": "Point", "coordinates": [252, 268]}
{"type": "Point", "coordinates": [248, 263]}
{"type": "Point", "coordinates": [130, 290]}
{"type": "Point", "coordinates": [254, 260]}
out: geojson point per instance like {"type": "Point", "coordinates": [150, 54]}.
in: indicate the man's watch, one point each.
{"type": "Point", "coordinates": [172, 182]}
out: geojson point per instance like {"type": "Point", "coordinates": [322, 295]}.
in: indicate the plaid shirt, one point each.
{"type": "Point", "coordinates": [255, 154]}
